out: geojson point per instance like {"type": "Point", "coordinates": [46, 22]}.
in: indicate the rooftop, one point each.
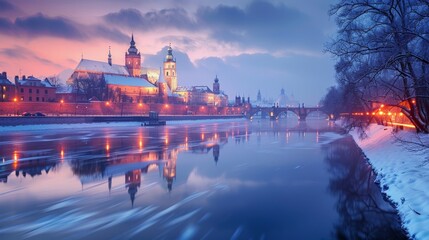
{"type": "Point", "coordinates": [127, 81]}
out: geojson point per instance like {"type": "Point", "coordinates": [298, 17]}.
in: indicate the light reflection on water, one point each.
{"type": "Point", "coordinates": [191, 180]}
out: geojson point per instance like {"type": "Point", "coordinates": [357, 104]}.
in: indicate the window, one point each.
{"type": "Point", "coordinates": [43, 99]}
{"type": "Point", "coordinates": [30, 99]}
{"type": "Point", "coordinates": [37, 99]}
{"type": "Point", "coordinates": [30, 90]}
{"type": "Point", "coordinates": [166, 73]}
{"type": "Point", "coordinates": [37, 90]}
{"type": "Point", "coordinates": [46, 91]}
{"type": "Point", "coordinates": [22, 90]}
{"type": "Point", "coordinates": [22, 98]}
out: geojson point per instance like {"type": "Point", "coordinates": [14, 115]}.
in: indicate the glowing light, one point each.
{"type": "Point", "coordinates": [107, 147]}
{"type": "Point", "coordinates": [62, 101]}
{"type": "Point", "coordinates": [166, 105]}
{"type": "Point", "coordinates": [382, 105]}
{"type": "Point", "coordinates": [166, 140]}
{"type": "Point", "coordinates": [202, 136]}
{"type": "Point", "coordinates": [140, 105]}
{"type": "Point", "coordinates": [380, 113]}
{"type": "Point", "coordinates": [14, 99]}
{"type": "Point", "coordinates": [215, 136]}
{"type": "Point", "coordinates": [389, 113]}
{"type": "Point", "coordinates": [373, 113]}
{"type": "Point", "coordinates": [62, 154]}
{"type": "Point", "coordinates": [107, 103]}
{"type": "Point", "coordinates": [15, 156]}
{"type": "Point", "coordinates": [404, 125]}
{"type": "Point", "coordinates": [140, 144]}
{"type": "Point", "coordinates": [414, 101]}
{"type": "Point", "coordinates": [401, 114]}
{"type": "Point", "coordinates": [186, 139]}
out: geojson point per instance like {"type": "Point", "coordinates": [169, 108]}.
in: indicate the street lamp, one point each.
{"type": "Point", "coordinates": [15, 107]}
{"type": "Point", "coordinates": [61, 106]}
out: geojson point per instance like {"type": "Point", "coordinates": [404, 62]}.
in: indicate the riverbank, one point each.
{"type": "Point", "coordinates": [403, 173]}
{"type": "Point", "coordinates": [17, 121]}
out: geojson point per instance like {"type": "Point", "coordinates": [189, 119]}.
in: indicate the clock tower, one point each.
{"type": "Point", "coordinates": [133, 59]}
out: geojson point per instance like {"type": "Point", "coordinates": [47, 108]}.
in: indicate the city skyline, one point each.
{"type": "Point", "coordinates": [249, 45]}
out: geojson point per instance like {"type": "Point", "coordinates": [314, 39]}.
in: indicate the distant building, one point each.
{"type": "Point", "coordinates": [7, 89]}
{"type": "Point", "coordinates": [32, 89]}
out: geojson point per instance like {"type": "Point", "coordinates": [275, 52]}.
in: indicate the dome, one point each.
{"type": "Point", "coordinates": [169, 56]}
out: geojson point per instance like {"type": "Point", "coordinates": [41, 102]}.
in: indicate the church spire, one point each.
{"type": "Point", "coordinates": [109, 59]}
{"type": "Point", "coordinates": [132, 49]}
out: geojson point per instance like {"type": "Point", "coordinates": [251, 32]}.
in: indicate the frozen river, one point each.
{"type": "Point", "coordinates": [189, 180]}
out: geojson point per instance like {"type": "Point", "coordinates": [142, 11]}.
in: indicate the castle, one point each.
{"type": "Point", "coordinates": [105, 81]}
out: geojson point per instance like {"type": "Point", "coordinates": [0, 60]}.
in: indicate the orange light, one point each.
{"type": "Point", "coordinates": [140, 104]}
{"type": "Point", "coordinates": [401, 114]}
{"type": "Point", "coordinates": [107, 147]}
{"type": "Point", "coordinates": [107, 103]}
{"type": "Point", "coordinates": [404, 125]}
{"type": "Point", "coordinates": [14, 99]}
{"type": "Point", "coordinates": [166, 105]}
{"type": "Point", "coordinates": [414, 101]}
{"type": "Point", "coordinates": [15, 156]}
{"type": "Point", "coordinates": [141, 144]}
{"type": "Point", "coordinates": [62, 154]}
{"type": "Point", "coordinates": [166, 140]}
{"type": "Point", "coordinates": [373, 113]}
{"type": "Point", "coordinates": [380, 113]}
{"type": "Point", "coordinates": [62, 101]}
{"type": "Point", "coordinates": [367, 113]}
{"type": "Point", "coordinates": [382, 105]}
{"type": "Point", "coordinates": [389, 113]}
{"type": "Point", "coordinates": [202, 136]}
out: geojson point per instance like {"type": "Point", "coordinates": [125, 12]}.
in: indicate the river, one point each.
{"type": "Point", "coordinates": [230, 179]}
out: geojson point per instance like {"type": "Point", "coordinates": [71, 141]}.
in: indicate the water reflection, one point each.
{"type": "Point", "coordinates": [173, 182]}
{"type": "Point", "coordinates": [364, 214]}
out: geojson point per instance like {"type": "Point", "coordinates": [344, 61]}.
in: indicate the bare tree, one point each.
{"type": "Point", "coordinates": [382, 48]}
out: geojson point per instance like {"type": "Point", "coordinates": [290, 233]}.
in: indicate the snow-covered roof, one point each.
{"type": "Point", "coordinates": [127, 81]}
{"type": "Point", "coordinates": [4, 81]}
{"type": "Point", "coordinates": [32, 81]}
{"type": "Point", "coordinates": [182, 89]}
{"type": "Point", "coordinates": [101, 67]}
{"type": "Point", "coordinates": [201, 89]}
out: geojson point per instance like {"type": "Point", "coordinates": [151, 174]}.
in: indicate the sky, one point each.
{"type": "Point", "coordinates": [250, 45]}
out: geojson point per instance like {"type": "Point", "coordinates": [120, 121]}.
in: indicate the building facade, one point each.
{"type": "Point", "coordinates": [31, 89]}
{"type": "Point", "coordinates": [7, 89]}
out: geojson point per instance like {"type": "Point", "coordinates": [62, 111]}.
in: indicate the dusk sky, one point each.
{"type": "Point", "coordinates": [250, 45]}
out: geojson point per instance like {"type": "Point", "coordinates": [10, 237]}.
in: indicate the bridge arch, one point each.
{"type": "Point", "coordinates": [275, 112]}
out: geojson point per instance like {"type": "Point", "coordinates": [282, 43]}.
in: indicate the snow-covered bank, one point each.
{"type": "Point", "coordinates": [403, 173]}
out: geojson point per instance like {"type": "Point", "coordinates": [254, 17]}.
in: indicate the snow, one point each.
{"type": "Point", "coordinates": [128, 81]}
{"type": "Point", "coordinates": [403, 173]}
{"type": "Point", "coordinates": [101, 67]}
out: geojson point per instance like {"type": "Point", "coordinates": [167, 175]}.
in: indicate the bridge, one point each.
{"type": "Point", "coordinates": [275, 111]}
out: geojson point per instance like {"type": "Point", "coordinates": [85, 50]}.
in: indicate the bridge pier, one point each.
{"type": "Point", "coordinates": [274, 112]}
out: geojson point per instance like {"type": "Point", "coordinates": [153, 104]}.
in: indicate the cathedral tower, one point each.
{"type": "Point", "coordinates": [133, 59]}
{"type": "Point", "coordinates": [170, 70]}
{"type": "Point", "coordinates": [216, 86]}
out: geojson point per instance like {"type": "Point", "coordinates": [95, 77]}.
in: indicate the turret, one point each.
{"type": "Point", "coordinates": [109, 58]}
{"type": "Point", "coordinates": [216, 86]}
{"type": "Point", "coordinates": [170, 73]}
